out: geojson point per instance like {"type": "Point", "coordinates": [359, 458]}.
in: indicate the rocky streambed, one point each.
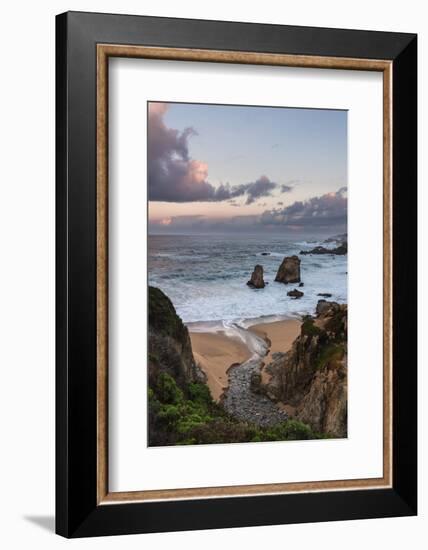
{"type": "Point", "coordinates": [240, 401]}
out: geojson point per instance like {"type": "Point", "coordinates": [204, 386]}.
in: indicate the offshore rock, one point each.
{"type": "Point", "coordinates": [289, 270]}
{"type": "Point", "coordinates": [295, 293]}
{"type": "Point", "coordinates": [256, 280]}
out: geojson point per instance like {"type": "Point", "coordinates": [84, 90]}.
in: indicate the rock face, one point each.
{"type": "Point", "coordinates": [170, 350]}
{"type": "Point", "coordinates": [289, 270]}
{"type": "Point", "coordinates": [312, 376]}
{"type": "Point", "coordinates": [295, 293]}
{"type": "Point", "coordinates": [256, 280]}
{"type": "Point", "coordinates": [340, 250]}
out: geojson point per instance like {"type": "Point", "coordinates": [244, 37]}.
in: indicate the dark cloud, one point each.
{"type": "Point", "coordinates": [172, 175]}
{"type": "Point", "coordinates": [328, 210]}
{"type": "Point", "coordinates": [262, 187]}
{"type": "Point", "coordinates": [175, 177]}
{"type": "Point", "coordinates": [286, 188]}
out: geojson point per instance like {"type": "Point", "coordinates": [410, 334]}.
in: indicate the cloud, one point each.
{"type": "Point", "coordinates": [326, 214]}
{"type": "Point", "coordinates": [173, 176]}
{"type": "Point", "coordinates": [324, 211]}
{"type": "Point", "coordinates": [286, 188]}
{"type": "Point", "coordinates": [262, 187]}
{"type": "Point", "coordinates": [204, 224]}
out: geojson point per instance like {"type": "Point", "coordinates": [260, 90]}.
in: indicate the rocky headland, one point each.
{"type": "Point", "coordinates": [340, 250]}
{"type": "Point", "coordinates": [310, 380]}
{"type": "Point", "coordinates": [170, 350]}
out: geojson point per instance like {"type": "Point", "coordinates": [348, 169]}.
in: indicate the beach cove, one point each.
{"type": "Point", "coordinates": [230, 354]}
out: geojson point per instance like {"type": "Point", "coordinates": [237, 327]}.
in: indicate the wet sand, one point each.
{"type": "Point", "coordinates": [215, 352]}
{"type": "Point", "coordinates": [279, 335]}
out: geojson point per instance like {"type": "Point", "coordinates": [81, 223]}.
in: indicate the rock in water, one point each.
{"type": "Point", "coordinates": [324, 294]}
{"type": "Point", "coordinates": [256, 280]}
{"type": "Point", "coordinates": [295, 293]}
{"type": "Point", "coordinates": [340, 250]}
{"type": "Point", "coordinates": [289, 270]}
{"type": "Point", "coordinates": [301, 284]}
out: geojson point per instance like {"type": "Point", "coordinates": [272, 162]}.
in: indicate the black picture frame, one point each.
{"type": "Point", "coordinates": [77, 512]}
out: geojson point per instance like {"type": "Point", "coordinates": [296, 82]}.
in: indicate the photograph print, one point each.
{"type": "Point", "coordinates": [247, 273]}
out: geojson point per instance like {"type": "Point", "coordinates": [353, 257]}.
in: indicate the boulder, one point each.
{"type": "Point", "coordinates": [323, 307]}
{"type": "Point", "coordinates": [295, 293]}
{"type": "Point", "coordinates": [256, 280]}
{"type": "Point", "coordinates": [255, 381]}
{"type": "Point", "coordinates": [289, 270]}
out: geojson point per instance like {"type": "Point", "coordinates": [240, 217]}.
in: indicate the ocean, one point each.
{"type": "Point", "coordinates": [205, 277]}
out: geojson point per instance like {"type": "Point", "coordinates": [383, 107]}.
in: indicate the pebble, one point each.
{"type": "Point", "coordinates": [245, 405]}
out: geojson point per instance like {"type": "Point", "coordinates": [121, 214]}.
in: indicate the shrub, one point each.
{"type": "Point", "coordinates": [200, 393]}
{"type": "Point", "coordinates": [330, 354]}
{"type": "Point", "coordinates": [167, 390]}
{"type": "Point", "coordinates": [190, 416]}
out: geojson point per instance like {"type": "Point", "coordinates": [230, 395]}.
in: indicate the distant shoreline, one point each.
{"type": "Point", "coordinates": [216, 350]}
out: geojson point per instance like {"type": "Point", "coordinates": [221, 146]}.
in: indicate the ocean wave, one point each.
{"type": "Point", "coordinates": [212, 285]}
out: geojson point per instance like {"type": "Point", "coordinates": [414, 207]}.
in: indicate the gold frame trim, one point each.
{"type": "Point", "coordinates": [104, 51]}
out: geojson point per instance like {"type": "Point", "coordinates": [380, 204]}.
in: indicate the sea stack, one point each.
{"type": "Point", "coordinates": [289, 270]}
{"type": "Point", "coordinates": [256, 280]}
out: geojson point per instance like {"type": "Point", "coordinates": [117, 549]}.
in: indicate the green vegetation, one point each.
{"type": "Point", "coordinates": [189, 416]}
{"type": "Point", "coordinates": [330, 355]}
{"type": "Point", "coordinates": [309, 328]}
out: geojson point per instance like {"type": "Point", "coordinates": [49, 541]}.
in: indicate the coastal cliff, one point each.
{"type": "Point", "coordinates": [181, 410]}
{"type": "Point", "coordinates": [170, 350]}
{"type": "Point", "coordinates": [311, 378]}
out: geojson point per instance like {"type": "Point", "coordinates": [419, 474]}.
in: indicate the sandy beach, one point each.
{"type": "Point", "coordinates": [215, 352]}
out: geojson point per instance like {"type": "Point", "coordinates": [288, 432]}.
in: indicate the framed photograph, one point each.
{"type": "Point", "coordinates": [236, 274]}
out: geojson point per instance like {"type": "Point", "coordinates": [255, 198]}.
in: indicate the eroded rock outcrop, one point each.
{"type": "Point", "coordinates": [311, 378]}
{"type": "Point", "coordinates": [170, 349]}
{"type": "Point", "coordinates": [256, 280]}
{"type": "Point", "coordinates": [289, 270]}
{"type": "Point", "coordinates": [340, 250]}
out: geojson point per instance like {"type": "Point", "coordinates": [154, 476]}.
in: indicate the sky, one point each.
{"type": "Point", "coordinates": [218, 168]}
